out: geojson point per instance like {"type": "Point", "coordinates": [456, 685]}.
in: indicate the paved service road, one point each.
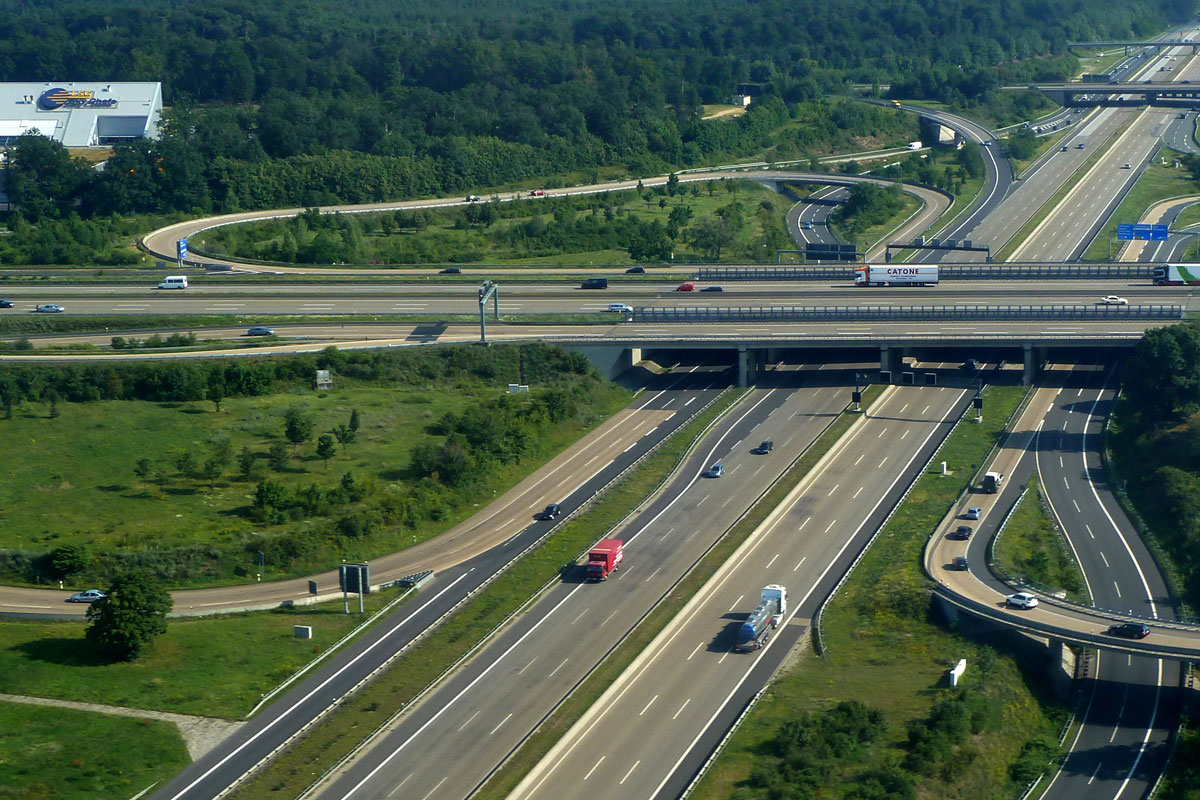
{"type": "Point", "coordinates": [806, 545]}
{"type": "Point", "coordinates": [507, 689]}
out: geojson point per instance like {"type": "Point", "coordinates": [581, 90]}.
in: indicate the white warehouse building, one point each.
{"type": "Point", "coordinates": [80, 114]}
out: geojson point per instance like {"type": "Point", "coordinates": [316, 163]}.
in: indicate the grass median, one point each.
{"type": "Point", "coordinates": [1050, 205]}
{"type": "Point", "coordinates": [337, 735]}
{"type": "Point", "coordinates": [885, 650]}
{"type": "Point", "coordinates": [1031, 550]}
{"type": "Point", "coordinates": [574, 707]}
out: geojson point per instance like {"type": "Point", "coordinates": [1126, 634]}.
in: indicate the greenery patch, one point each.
{"type": "Point", "coordinates": [1032, 550]}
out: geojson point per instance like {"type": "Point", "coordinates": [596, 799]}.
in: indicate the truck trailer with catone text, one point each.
{"type": "Point", "coordinates": [1177, 275]}
{"type": "Point", "coordinates": [896, 275]}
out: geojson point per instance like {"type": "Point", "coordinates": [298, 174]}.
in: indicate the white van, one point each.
{"type": "Point", "coordinates": [173, 282]}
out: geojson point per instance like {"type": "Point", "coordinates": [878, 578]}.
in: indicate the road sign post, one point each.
{"type": "Point", "coordinates": [181, 251]}
{"type": "Point", "coordinates": [489, 290]}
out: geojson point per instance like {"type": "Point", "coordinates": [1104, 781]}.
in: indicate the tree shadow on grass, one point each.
{"type": "Point", "coordinates": [179, 491]}
{"type": "Point", "coordinates": [63, 651]}
{"type": "Point", "coordinates": [113, 487]}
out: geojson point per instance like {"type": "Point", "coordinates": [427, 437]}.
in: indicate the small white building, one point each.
{"type": "Point", "coordinates": [742, 100]}
{"type": "Point", "coordinates": [80, 114]}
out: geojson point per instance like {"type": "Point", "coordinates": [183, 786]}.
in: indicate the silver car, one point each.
{"type": "Point", "coordinates": [90, 596]}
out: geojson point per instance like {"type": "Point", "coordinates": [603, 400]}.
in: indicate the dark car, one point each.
{"type": "Point", "coordinates": [764, 447]}
{"type": "Point", "coordinates": [636, 271]}
{"type": "Point", "coordinates": [959, 563]}
{"type": "Point", "coordinates": [961, 533]}
{"type": "Point", "coordinates": [450, 271]}
{"type": "Point", "coordinates": [549, 512]}
{"type": "Point", "coordinates": [1130, 630]}
{"type": "Point", "coordinates": [6, 304]}
{"type": "Point", "coordinates": [260, 330]}
{"type": "Point", "coordinates": [970, 365]}
{"type": "Point", "coordinates": [712, 289]}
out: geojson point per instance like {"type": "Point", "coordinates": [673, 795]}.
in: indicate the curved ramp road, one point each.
{"type": "Point", "coordinates": [164, 241]}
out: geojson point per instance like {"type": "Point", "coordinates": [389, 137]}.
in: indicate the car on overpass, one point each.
{"type": "Point", "coordinates": [620, 308]}
{"type": "Point", "coordinates": [1130, 630]}
{"type": "Point", "coordinates": [260, 330]}
{"type": "Point", "coordinates": [1021, 600]}
{"type": "Point", "coordinates": [49, 308]}
{"type": "Point", "coordinates": [686, 286]}
{"type": "Point", "coordinates": [1112, 300]}
{"type": "Point", "coordinates": [6, 304]}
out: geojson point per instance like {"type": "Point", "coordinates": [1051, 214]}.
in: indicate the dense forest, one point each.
{"type": "Point", "coordinates": [1157, 443]}
{"type": "Point", "coordinates": [315, 102]}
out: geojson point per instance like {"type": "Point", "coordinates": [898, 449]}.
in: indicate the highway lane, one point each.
{"type": "Point", "coordinates": [267, 301]}
{"type": "Point", "coordinates": [1133, 701]}
{"type": "Point", "coordinates": [808, 220]}
{"type": "Point", "coordinates": [1165, 213]}
{"type": "Point", "coordinates": [806, 545]}
{"type": "Point", "coordinates": [503, 693]}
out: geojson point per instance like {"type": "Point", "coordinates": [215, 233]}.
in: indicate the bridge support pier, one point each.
{"type": "Point", "coordinates": [1031, 365]}
{"type": "Point", "coordinates": [609, 360]}
{"type": "Point", "coordinates": [743, 362]}
{"type": "Point", "coordinates": [891, 358]}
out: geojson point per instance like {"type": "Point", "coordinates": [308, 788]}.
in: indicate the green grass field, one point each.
{"type": "Point", "coordinates": [62, 754]}
{"type": "Point", "coordinates": [883, 648]}
{"type": "Point", "coordinates": [213, 667]}
{"type": "Point", "coordinates": [1157, 182]}
{"type": "Point", "coordinates": [1031, 549]}
{"type": "Point", "coordinates": [82, 465]}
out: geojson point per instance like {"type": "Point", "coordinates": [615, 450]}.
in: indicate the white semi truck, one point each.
{"type": "Point", "coordinates": [896, 275]}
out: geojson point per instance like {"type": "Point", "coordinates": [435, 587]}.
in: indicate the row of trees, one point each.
{"type": "Point", "coordinates": [265, 113]}
{"type": "Point", "coordinates": [1157, 444]}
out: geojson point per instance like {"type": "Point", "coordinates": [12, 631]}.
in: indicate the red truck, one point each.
{"type": "Point", "coordinates": [604, 558]}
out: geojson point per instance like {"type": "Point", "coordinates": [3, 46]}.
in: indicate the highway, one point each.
{"type": "Point", "coordinates": [683, 393]}
{"type": "Point", "coordinates": [1131, 703]}
{"type": "Point", "coordinates": [270, 300]}
{"type": "Point", "coordinates": [805, 545]}
{"type": "Point", "coordinates": [1064, 236]}
{"type": "Point", "coordinates": [524, 672]}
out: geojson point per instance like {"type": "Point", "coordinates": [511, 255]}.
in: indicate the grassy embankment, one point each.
{"type": "Point", "coordinates": [1019, 237]}
{"type": "Point", "coordinates": [62, 754]}
{"type": "Point", "coordinates": [574, 707]}
{"type": "Point", "coordinates": [884, 649]}
{"type": "Point", "coordinates": [212, 667]}
{"type": "Point", "coordinates": [1031, 549]}
{"type": "Point", "coordinates": [1157, 182]}
{"type": "Point", "coordinates": [342, 730]}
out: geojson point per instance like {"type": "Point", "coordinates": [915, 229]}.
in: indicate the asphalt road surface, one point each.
{"type": "Point", "coordinates": [806, 545]}
{"type": "Point", "coordinates": [510, 686]}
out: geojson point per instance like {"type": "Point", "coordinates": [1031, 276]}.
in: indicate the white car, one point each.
{"type": "Point", "coordinates": [620, 308]}
{"type": "Point", "coordinates": [49, 308]}
{"type": "Point", "coordinates": [1021, 600]}
{"type": "Point", "coordinates": [90, 596]}
{"type": "Point", "coordinates": [1112, 300]}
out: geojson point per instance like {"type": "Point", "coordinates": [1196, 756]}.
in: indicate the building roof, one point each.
{"type": "Point", "coordinates": [81, 114]}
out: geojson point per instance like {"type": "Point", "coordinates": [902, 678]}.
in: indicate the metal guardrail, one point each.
{"type": "Point", "coordinates": [947, 272]}
{"type": "Point", "coordinates": [906, 313]}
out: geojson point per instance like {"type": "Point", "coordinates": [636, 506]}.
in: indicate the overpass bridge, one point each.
{"type": "Point", "coordinates": [1158, 45]}
{"type": "Point", "coordinates": [1179, 94]}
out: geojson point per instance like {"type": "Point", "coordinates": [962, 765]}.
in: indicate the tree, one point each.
{"type": "Point", "coordinates": [216, 391]}
{"type": "Point", "coordinates": [68, 559]}
{"type": "Point", "coordinates": [246, 462]}
{"type": "Point", "coordinates": [212, 471]}
{"type": "Point", "coordinates": [326, 448]}
{"type": "Point", "coordinates": [673, 184]}
{"type": "Point", "coordinates": [712, 235]}
{"type": "Point", "coordinates": [344, 434]}
{"type": "Point", "coordinates": [130, 616]}
{"type": "Point", "coordinates": [354, 420]}
{"type": "Point", "coordinates": [278, 456]}
{"type": "Point", "coordinates": [297, 425]}
{"type": "Point", "coordinates": [185, 462]}
{"type": "Point", "coordinates": [143, 468]}
{"type": "Point", "coordinates": [42, 177]}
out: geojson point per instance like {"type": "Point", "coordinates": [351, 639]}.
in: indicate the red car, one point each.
{"type": "Point", "coordinates": [538, 193]}
{"type": "Point", "coordinates": [686, 287]}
